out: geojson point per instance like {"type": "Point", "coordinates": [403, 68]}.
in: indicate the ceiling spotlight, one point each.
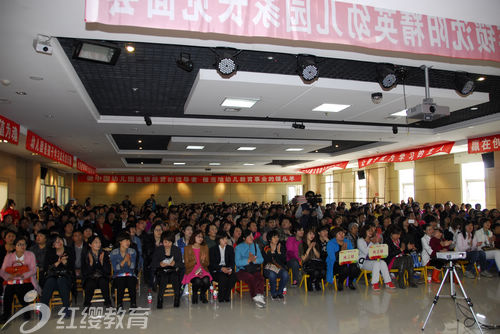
{"type": "Point", "coordinates": [300, 125]}
{"type": "Point", "coordinates": [225, 62]}
{"type": "Point", "coordinates": [307, 68]}
{"type": "Point", "coordinates": [101, 52]}
{"type": "Point", "coordinates": [395, 129]}
{"type": "Point", "coordinates": [386, 76]}
{"type": "Point", "coordinates": [481, 79]}
{"type": "Point", "coordinates": [130, 47]}
{"type": "Point", "coordinates": [148, 121]}
{"type": "Point", "coordinates": [464, 85]}
{"type": "Point", "coordinates": [184, 62]}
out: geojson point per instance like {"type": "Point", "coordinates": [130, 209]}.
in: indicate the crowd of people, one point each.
{"type": "Point", "coordinates": [190, 246]}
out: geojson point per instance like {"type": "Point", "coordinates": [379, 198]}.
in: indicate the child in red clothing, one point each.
{"type": "Point", "coordinates": [438, 244]}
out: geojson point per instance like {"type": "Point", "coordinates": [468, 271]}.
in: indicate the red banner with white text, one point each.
{"type": "Point", "coordinates": [484, 144]}
{"type": "Point", "coordinates": [37, 144]}
{"type": "Point", "coordinates": [322, 169]}
{"type": "Point", "coordinates": [84, 167]}
{"type": "Point", "coordinates": [408, 155]}
{"type": "Point", "coordinates": [9, 130]}
{"type": "Point", "coordinates": [190, 178]}
{"type": "Point", "coordinates": [324, 21]}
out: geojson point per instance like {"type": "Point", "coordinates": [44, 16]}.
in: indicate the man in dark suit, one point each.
{"type": "Point", "coordinates": [222, 267]}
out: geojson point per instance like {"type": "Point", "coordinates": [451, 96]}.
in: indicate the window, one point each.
{"type": "Point", "coordinates": [473, 187]}
{"type": "Point", "coordinates": [360, 188]}
{"type": "Point", "coordinates": [328, 186]}
{"type": "Point", "coordinates": [62, 192]}
{"type": "Point", "coordinates": [46, 191]}
{"type": "Point", "coordinates": [294, 191]}
{"type": "Point", "coordinates": [4, 193]}
{"type": "Point", "coordinates": [406, 186]}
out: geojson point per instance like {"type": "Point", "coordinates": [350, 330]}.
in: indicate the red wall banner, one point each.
{"type": "Point", "coordinates": [189, 178]}
{"type": "Point", "coordinates": [324, 21]}
{"type": "Point", "coordinates": [9, 130]}
{"type": "Point", "coordinates": [36, 144]}
{"type": "Point", "coordinates": [484, 144]}
{"type": "Point", "coordinates": [322, 169]}
{"type": "Point", "coordinates": [408, 155]}
{"type": "Point", "coordinates": [82, 166]}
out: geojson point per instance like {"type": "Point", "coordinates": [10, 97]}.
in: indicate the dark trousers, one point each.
{"type": "Point", "coordinates": [255, 281]}
{"type": "Point", "coordinates": [403, 263]}
{"type": "Point", "coordinates": [61, 284]}
{"type": "Point", "coordinates": [225, 283]}
{"type": "Point", "coordinates": [8, 295]}
{"type": "Point", "coordinates": [295, 266]}
{"type": "Point", "coordinates": [350, 271]}
{"type": "Point", "coordinates": [200, 284]}
{"type": "Point", "coordinates": [122, 283]}
{"type": "Point", "coordinates": [272, 276]}
{"type": "Point", "coordinates": [316, 271]}
{"type": "Point", "coordinates": [164, 279]}
{"type": "Point", "coordinates": [91, 284]}
{"type": "Point", "coordinates": [437, 263]}
{"type": "Point", "coordinates": [478, 257]}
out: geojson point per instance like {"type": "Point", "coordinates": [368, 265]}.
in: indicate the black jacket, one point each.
{"type": "Point", "coordinates": [51, 258]}
{"type": "Point", "coordinates": [96, 269]}
{"type": "Point", "coordinates": [159, 255]}
{"type": "Point", "coordinates": [214, 256]}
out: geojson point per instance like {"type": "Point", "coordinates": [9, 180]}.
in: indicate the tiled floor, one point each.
{"type": "Point", "coordinates": [361, 311]}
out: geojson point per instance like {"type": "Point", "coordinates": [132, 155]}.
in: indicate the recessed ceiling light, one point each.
{"type": "Point", "coordinates": [140, 141]}
{"type": "Point", "coordinates": [331, 107]}
{"type": "Point", "coordinates": [129, 47]}
{"type": "Point", "coordinates": [214, 164]}
{"type": "Point", "coordinates": [336, 145]}
{"type": "Point", "coordinates": [481, 79]}
{"type": "Point", "coordinates": [36, 78]}
{"type": "Point", "coordinates": [179, 163]}
{"type": "Point", "coordinates": [21, 93]}
{"type": "Point", "coordinates": [238, 103]}
{"type": "Point", "coordinates": [194, 147]}
{"type": "Point", "coordinates": [246, 148]}
{"type": "Point", "coordinates": [292, 149]}
{"type": "Point", "coordinates": [4, 141]}
{"type": "Point", "coordinates": [474, 108]}
{"type": "Point", "coordinates": [316, 151]}
{"type": "Point", "coordinates": [135, 89]}
{"type": "Point", "coordinates": [5, 82]}
{"type": "Point", "coordinates": [270, 58]}
{"type": "Point", "coordinates": [142, 163]}
{"type": "Point", "coordinates": [140, 147]}
{"type": "Point", "coordinates": [246, 164]}
{"type": "Point", "coordinates": [401, 113]}
{"type": "Point", "coordinates": [137, 111]}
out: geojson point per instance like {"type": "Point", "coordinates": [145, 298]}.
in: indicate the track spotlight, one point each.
{"type": "Point", "coordinates": [225, 62]}
{"type": "Point", "coordinates": [100, 52]}
{"type": "Point", "coordinates": [464, 85]}
{"type": "Point", "coordinates": [148, 121]}
{"type": "Point", "coordinates": [184, 62]}
{"type": "Point", "coordinates": [300, 125]}
{"type": "Point", "coordinates": [395, 129]}
{"type": "Point", "coordinates": [307, 68]}
{"type": "Point", "coordinates": [386, 76]}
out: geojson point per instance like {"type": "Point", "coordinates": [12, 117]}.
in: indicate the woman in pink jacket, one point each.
{"type": "Point", "coordinates": [19, 274]}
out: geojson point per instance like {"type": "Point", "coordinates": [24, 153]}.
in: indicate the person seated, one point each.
{"type": "Point", "coordinates": [437, 244]}
{"type": "Point", "coordinates": [221, 267]}
{"type": "Point", "coordinates": [275, 264]}
{"type": "Point", "coordinates": [197, 260]}
{"type": "Point", "coordinates": [96, 271]}
{"type": "Point", "coordinates": [167, 265]}
{"type": "Point", "coordinates": [124, 261]}
{"type": "Point", "coordinates": [312, 264]}
{"type": "Point", "coordinates": [338, 243]}
{"type": "Point", "coordinates": [292, 253]}
{"type": "Point", "coordinates": [368, 238]}
{"type": "Point", "coordinates": [486, 242]}
{"type": "Point", "coordinates": [467, 243]}
{"type": "Point", "coordinates": [19, 274]}
{"type": "Point", "coordinates": [40, 250]}
{"type": "Point", "coordinates": [398, 258]}
{"type": "Point", "coordinates": [59, 270]}
{"type": "Point", "coordinates": [248, 259]}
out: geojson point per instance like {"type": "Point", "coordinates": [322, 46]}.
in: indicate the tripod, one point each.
{"type": "Point", "coordinates": [452, 272]}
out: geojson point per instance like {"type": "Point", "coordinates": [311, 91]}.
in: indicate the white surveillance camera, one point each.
{"type": "Point", "coordinates": [377, 97]}
{"type": "Point", "coordinates": [42, 44]}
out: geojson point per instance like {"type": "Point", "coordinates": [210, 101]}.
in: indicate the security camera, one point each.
{"type": "Point", "coordinates": [377, 97]}
{"type": "Point", "coordinates": [42, 44]}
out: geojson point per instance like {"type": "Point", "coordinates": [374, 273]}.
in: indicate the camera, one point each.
{"type": "Point", "coordinates": [377, 97]}
{"type": "Point", "coordinates": [313, 199]}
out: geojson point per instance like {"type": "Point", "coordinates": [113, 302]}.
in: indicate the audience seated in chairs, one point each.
{"type": "Point", "coordinates": [96, 271]}
{"type": "Point", "coordinates": [275, 264]}
{"type": "Point", "coordinates": [486, 242]}
{"type": "Point", "coordinates": [292, 253]}
{"type": "Point", "coordinates": [312, 264]}
{"type": "Point", "coordinates": [338, 243]}
{"type": "Point", "coordinates": [467, 243]}
{"type": "Point", "coordinates": [398, 257]}
{"type": "Point", "coordinates": [196, 260]}
{"type": "Point", "coordinates": [124, 261]}
{"type": "Point", "coordinates": [167, 265]}
{"type": "Point", "coordinates": [221, 267]}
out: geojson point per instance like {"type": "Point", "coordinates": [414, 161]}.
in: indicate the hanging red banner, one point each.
{"type": "Point", "coordinates": [484, 144]}
{"type": "Point", "coordinates": [322, 169]}
{"type": "Point", "coordinates": [327, 21]}
{"type": "Point", "coordinates": [36, 144]}
{"type": "Point", "coordinates": [9, 130]}
{"type": "Point", "coordinates": [189, 178]}
{"type": "Point", "coordinates": [82, 166]}
{"type": "Point", "coordinates": [408, 155]}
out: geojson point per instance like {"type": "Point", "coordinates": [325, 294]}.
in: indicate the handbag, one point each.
{"type": "Point", "coordinates": [272, 267]}
{"type": "Point", "coordinates": [252, 267]}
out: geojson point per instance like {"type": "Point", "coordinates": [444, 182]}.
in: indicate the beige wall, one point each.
{"type": "Point", "coordinates": [12, 171]}
{"type": "Point", "coordinates": [102, 193]}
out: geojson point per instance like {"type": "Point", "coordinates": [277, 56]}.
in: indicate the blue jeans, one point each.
{"type": "Point", "coordinates": [295, 266]}
{"type": "Point", "coordinates": [476, 256]}
{"type": "Point", "coordinates": [282, 275]}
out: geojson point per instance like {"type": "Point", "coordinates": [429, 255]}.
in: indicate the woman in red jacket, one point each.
{"type": "Point", "coordinates": [10, 209]}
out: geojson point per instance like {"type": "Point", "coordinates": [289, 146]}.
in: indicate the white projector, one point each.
{"type": "Point", "coordinates": [427, 111]}
{"type": "Point", "coordinates": [451, 255]}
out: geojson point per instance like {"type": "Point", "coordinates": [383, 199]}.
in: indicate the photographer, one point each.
{"type": "Point", "coordinates": [309, 213]}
